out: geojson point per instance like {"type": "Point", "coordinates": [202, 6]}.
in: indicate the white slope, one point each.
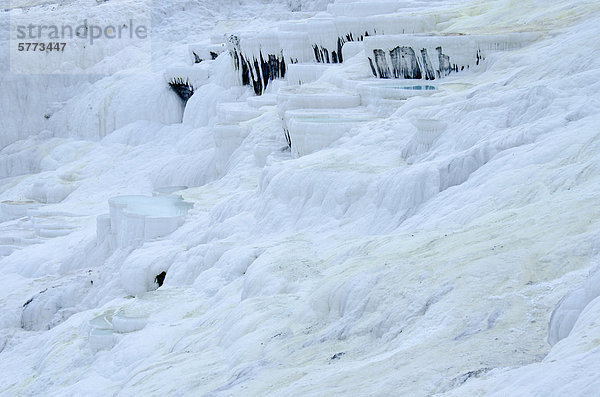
{"type": "Point", "coordinates": [372, 266]}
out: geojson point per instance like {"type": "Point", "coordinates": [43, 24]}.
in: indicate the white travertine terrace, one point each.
{"type": "Point", "coordinates": [429, 229]}
{"type": "Point", "coordinates": [135, 219]}
{"type": "Point", "coordinates": [311, 130]}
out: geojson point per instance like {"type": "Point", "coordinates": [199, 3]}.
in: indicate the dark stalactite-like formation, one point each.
{"type": "Point", "coordinates": [404, 63]}
{"type": "Point", "coordinates": [283, 68]}
{"type": "Point", "coordinates": [372, 67]}
{"type": "Point", "coordinates": [480, 57]}
{"type": "Point", "coordinates": [340, 44]}
{"type": "Point", "coordinates": [182, 87]}
{"type": "Point", "coordinates": [381, 62]}
{"type": "Point", "coordinates": [288, 139]}
{"type": "Point", "coordinates": [317, 54]}
{"type": "Point", "coordinates": [445, 67]}
{"type": "Point", "coordinates": [429, 73]}
{"type": "Point", "coordinates": [265, 68]}
{"type": "Point", "coordinates": [258, 72]}
{"type": "Point", "coordinates": [245, 72]}
{"type": "Point", "coordinates": [257, 81]}
{"type": "Point", "coordinates": [324, 55]}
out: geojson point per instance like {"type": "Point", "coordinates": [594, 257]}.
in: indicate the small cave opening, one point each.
{"type": "Point", "coordinates": [160, 279]}
{"type": "Point", "coordinates": [182, 87]}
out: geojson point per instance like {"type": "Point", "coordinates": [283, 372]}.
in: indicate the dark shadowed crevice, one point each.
{"type": "Point", "coordinates": [160, 279]}
{"type": "Point", "coordinates": [182, 88]}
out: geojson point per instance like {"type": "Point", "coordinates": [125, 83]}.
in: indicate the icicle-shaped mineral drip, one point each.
{"type": "Point", "coordinates": [259, 59]}
{"type": "Point", "coordinates": [382, 66]}
{"type": "Point", "coordinates": [428, 71]}
{"type": "Point", "coordinates": [405, 63]}
{"type": "Point", "coordinates": [323, 36]}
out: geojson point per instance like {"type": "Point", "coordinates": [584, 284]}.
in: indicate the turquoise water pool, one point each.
{"type": "Point", "coordinates": [415, 87]}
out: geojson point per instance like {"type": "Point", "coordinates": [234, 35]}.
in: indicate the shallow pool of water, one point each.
{"type": "Point", "coordinates": [415, 87]}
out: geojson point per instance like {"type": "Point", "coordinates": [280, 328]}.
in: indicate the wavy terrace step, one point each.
{"type": "Point", "coordinates": [167, 190]}
{"type": "Point", "coordinates": [11, 209]}
{"type": "Point", "coordinates": [258, 102]}
{"type": "Point", "coordinates": [315, 96]}
{"type": "Point", "coordinates": [303, 73]}
{"type": "Point", "coordinates": [236, 112]}
{"type": "Point", "coordinates": [372, 92]}
{"type": "Point", "coordinates": [310, 131]}
{"type": "Point", "coordinates": [227, 137]}
{"type": "Point", "coordinates": [135, 219]}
